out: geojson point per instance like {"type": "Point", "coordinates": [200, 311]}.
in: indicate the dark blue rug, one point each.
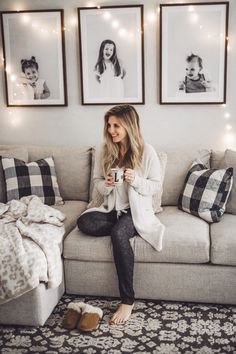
{"type": "Point", "coordinates": [157, 327]}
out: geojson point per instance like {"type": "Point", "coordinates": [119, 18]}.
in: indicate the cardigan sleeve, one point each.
{"type": "Point", "coordinates": [98, 176]}
{"type": "Point", "coordinates": [152, 183]}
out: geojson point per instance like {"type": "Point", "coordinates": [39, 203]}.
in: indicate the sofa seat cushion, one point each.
{"type": "Point", "coordinates": [223, 241]}
{"type": "Point", "coordinates": [186, 240]}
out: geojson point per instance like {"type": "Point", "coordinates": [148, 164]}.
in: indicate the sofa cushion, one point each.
{"type": "Point", "coordinates": [178, 164]}
{"type": "Point", "coordinates": [18, 153]}
{"type": "Point", "coordinates": [186, 240]}
{"type": "Point", "coordinates": [223, 241]}
{"type": "Point", "coordinates": [226, 160]}
{"type": "Point", "coordinates": [206, 192]}
{"type": "Point", "coordinates": [73, 167]}
{"type": "Point", "coordinates": [34, 178]}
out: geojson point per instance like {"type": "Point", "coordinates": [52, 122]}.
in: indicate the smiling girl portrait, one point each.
{"type": "Point", "coordinates": [109, 71]}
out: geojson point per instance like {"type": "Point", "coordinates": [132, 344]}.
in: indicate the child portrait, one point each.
{"type": "Point", "coordinates": [29, 85]}
{"type": "Point", "coordinates": [196, 79]}
{"type": "Point", "coordinates": [34, 58]}
{"type": "Point", "coordinates": [111, 60]}
{"type": "Point", "coordinates": [193, 53]}
{"type": "Point", "coordinates": [109, 71]}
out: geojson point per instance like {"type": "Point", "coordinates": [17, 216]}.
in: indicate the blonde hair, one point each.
{"type": "Point", "coordinates": [129, 119]}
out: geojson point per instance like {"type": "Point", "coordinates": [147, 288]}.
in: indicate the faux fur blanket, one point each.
{"type": "Point", "coordinates": [30, 237]}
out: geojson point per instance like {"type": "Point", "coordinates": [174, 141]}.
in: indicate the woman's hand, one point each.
{"type": "Point", "coordinates": [109, 180]}
{"type": "Point", "coordinates": [129, 175]}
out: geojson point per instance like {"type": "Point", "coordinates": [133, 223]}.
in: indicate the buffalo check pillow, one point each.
{"type": "Point", "coordinates": [34, 178]}
{"type": "Point", "coordinates": [206, 192]}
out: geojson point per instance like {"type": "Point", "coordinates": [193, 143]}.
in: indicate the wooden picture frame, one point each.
{"type": "Point", "coordinates": [193, 53]}
{"type": "Point", "coordinates": [111, 42]}
{"type": "Point", "coordinates": [34, 58]}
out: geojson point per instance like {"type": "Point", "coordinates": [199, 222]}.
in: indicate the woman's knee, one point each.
{"type": "Point", "coordinates": [84, 223]}
{"type": "Point", "coordinates": [118, 237]}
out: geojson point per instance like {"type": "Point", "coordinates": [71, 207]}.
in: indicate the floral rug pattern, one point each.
{"type": "Point", "coordinates": [158, 327]}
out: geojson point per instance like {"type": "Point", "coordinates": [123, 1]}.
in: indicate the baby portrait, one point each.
{"type": "Point", "coordinates": [196, 79]}
{"type": "Point", "coordinates": [193, 54]}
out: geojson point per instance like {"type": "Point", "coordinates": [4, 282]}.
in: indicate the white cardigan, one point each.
{"type": "Point", "coordinates": [146, 183]}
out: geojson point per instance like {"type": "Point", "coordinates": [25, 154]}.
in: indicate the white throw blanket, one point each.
{"type": "Point", "coordinates": [30, 237]}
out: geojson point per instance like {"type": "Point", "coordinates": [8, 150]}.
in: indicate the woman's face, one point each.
{"type": "Point", "coordinates": [116, 130]}
{"type": "Point", "coordinates": [108, 51]}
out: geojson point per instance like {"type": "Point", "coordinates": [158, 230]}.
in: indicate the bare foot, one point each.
{"type": "Point", "coordinates": [122, 314]}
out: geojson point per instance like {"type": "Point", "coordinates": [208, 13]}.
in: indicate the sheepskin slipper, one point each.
{"type": "Point", "coordinates": [90, 318]}
{"type": "Point", "coordinates": [72, 316]}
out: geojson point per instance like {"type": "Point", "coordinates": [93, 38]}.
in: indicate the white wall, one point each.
{"type": "Point", "coordinates": [167, 126]}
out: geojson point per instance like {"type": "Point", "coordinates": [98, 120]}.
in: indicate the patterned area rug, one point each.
{"type": "Point", "coordinates": [155, 327]}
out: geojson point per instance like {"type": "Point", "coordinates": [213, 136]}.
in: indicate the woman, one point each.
{"type": "Point", "coordinates": [127, 207]}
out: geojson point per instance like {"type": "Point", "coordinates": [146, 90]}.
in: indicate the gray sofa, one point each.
{"type": "Point", "coordinates": [197, 263]}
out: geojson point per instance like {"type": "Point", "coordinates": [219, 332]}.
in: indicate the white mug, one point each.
{"type": "Point", "coordinates": [118, 175]}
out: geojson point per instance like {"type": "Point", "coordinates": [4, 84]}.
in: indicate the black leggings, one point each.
{"type": "Point", "coordinates": [121, 230]}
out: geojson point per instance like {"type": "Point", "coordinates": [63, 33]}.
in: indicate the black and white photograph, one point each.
{"type": "Point", "coordinates": [111, 54]}
{"type": "Point", "coordinates": [34, 58]}
{"type": "Point", "coordinates": [193, 51]}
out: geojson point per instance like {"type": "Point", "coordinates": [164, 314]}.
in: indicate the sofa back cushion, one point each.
{"type": "Point", "coordinates": [227, 159]}
{"type": "Point", "coordinates": [7, 151]}
{"type": "Point", "coordinates": [73, 169]}
{"type": "Point", "coordinates": [178, 164]}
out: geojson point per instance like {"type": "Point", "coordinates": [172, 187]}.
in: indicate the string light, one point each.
{"type": "Point", "coordinates": [122, 32]}
{"type": "Point", "coordinates": [107, 15]}
{"type": "Point", "coordinates": [73, 21]}
{"type": "Point", "coordinates": [15, 121]}
{"type": "Point", "coordinates": [194, 17]}
{"type": "Point", "coordinates": [229, 140]}
{"type": "Point", "coordinates": [25, 19]}
{"type": "Point", "coordinates": [115, 23]}
{"type": "Point", "coordinates": [151, 17]}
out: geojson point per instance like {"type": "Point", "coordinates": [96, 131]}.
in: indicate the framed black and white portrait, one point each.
{"type": "Point", "coordinates": [34, 58]}
{"type": "Point", "coordinates": [193, 48]}
{"type": "Point", "coordinates": [111, 54]}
